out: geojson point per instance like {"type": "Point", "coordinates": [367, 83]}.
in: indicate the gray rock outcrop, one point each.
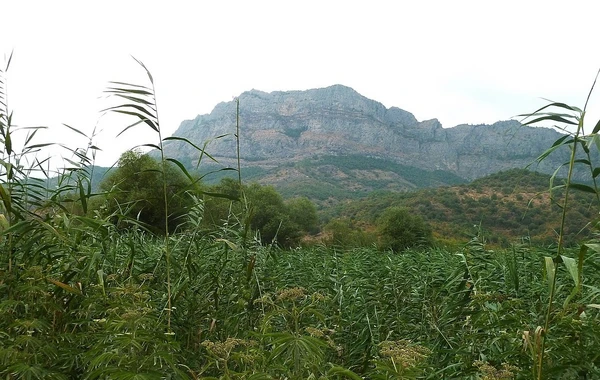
{"type": "Point", "coordinates": [280, 127]}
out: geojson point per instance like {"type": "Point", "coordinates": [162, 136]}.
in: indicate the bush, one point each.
{"type": "Point", "coordinates": [303, 213]}
{"type": "Point", "coordinates": [136, 189]}
{"type": "Point", "coordinates": [344, 234]}
{"type": "Point", "coordinates": [283, 222]}
{"type": "Point", "coordinates": [400, 229]}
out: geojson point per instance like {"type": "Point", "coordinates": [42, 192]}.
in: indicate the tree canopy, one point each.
{"type": "Point", "coordinates": [400, 229]}
{"type": "Point", "coordinates": [275, 219]}
{"type": "Point", "coordinates": [135, 189]}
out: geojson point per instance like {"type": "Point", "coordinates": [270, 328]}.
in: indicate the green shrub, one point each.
{"type": "Point", "coordinates": [343, 233]}
{"type": "Point", "coordinates": [136, 190]}
{"type": "Point", "coordinates": [400, 229]}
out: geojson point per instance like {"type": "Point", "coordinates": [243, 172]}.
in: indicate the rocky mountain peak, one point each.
{"type": "Point", "coordinates": [288, 126]}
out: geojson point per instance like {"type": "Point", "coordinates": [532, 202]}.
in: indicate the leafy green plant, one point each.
{"type": "Point", "coordinates": [293, 327]}
{"type": "Point", "coordinates": [135, 190]}
{"type": "Point", "coordinates": [399, 230]}
{"type": "Point", "coordinates": [81, 298]}
{"type": "Point", "coordinates": [581, 146]}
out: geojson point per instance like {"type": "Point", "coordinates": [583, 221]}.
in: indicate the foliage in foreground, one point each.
{"type": "Point", "coordinates": [271, 313]}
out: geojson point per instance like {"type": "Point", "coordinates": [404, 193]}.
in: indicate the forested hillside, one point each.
{"type": "Point", "coordinates": [508, 207]}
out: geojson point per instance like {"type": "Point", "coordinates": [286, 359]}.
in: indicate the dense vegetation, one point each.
{"type": "Point", "coordinates": [330, 179]}
{"type": "Point", "coordinates": [189, 281]}
{"type": "Point", "coordinates": [256, 311]}
{"type": "Point", "coordinates": [510, 206]}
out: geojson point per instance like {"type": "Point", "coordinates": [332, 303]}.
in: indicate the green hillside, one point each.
{"type": "Point", "coordinates": [513, 205]}
{"type": "Point", "coordinates": [329, 179]}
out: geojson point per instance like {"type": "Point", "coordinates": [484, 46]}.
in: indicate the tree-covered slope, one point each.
{"type": "Point", "coordinates": [508, 206]}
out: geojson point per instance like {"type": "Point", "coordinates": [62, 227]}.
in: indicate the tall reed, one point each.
{"type": "Point", "coordinates": [576, 140]}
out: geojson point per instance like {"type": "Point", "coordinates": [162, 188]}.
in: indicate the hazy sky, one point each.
{"type": "Point", "coordinates": [457, 61]}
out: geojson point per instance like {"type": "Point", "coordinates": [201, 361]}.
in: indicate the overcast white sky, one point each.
{"type": "Point", "coordinates": [458, 61]}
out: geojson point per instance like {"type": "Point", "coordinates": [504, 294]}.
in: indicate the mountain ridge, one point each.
{"type": "Point", "coordinates": [286, 127]}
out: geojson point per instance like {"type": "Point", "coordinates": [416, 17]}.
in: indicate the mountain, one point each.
{"type": "Point", "coordinates": [310, 138]}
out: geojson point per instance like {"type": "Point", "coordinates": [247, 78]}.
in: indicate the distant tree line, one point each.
{"type": "Point", "coordinates": [134, 193]}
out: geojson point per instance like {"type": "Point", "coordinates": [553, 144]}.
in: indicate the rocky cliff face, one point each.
{"type": "Point", "coordinates": [283, 127]}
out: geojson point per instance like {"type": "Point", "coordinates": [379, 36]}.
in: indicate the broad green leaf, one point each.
{"type": "Point", "coordinates": [153, 146]}
{"type": "Point", "coordinates": [552, 117]}
{"type": "Point", "coordinates": [549, 105]}
{"type": "Point", "coordinates": [175, 138]}
{"type": "Point", "coordinates": [124, 107]}
{"type": "Point", "coordinates": [136, 99]}
{"type": "Point", "coordinates": [593, 246]}
{"type": "Point", "coordinates": [596, 128]}
{"type": "Point", "coordinates": [564, 106]}
{"type": "Point", "coordinates": [129, 126]}
{"type": "Point", "coordinates": [219, 195]}
{"type": "Point", "coordinates": [561, 141]}
{"type": "Point", "coordinates": [100, 274]}
{"type": "Point", "coordinates": [152, 171]}
{"type": "Point", "coordinates": [6, 199]}
{"type": "Point", "coordinates": [29, 137]}
{"type": "Point", "coordinates": [35, 146]}
{"type": "Point", "coordinates": [216, 171]}
{"type": "Point", "coordinates": [140, 117]}
{"type": "Point", "coordinates": [344, 373]}
{"type": "Point", "coordinates": [583, 188]}
{"type": "Point", "coordinates": [583, 161]}
{"type": "Point", "coordinates": [571, 265]}
{"type": "Point", "coordinates": [585, 148]}
{"type": "Point", "coordinates": [129, 88]}
{"type": "Point", "coordinates": [116, 91]}
{"type": "Point", "coordinates": [76, 131]}
{"type": "Point", "coordinates": [74, 163]}
{"type": "Point", "coordinates": [82, 196]}
{"type": "Point", "coordinates": [145, 68]}
{"type": "Point", "coordinates": [593, 140]}
{"type": "Point", "coordinates": [8, 140]}
{"type": "Point", "coordinates": [230, 244]}
{"type": "Point", "coordinates": [557, 144]}
{"type": "Point", "coordinates": [131, 85]}
{"type": "Point", "coordinates": [203, 150]}
{"type": "Point", "coordinates": [182, 168]}
{"type": "Point", "coordinates": [550, 272]}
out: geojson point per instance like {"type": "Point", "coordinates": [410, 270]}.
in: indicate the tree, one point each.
{"type": "Point", "coordinates": [136, 187]}
{"type": "Point", "coordinates": [303, 213]}
{"type": "Point", "coordinates": [218, 209]}
{"type": "Point", "coordinates": [342, 232]}
{"type": "Point", "coordinates": [400, 229]}
{"type": "Point", "coordinates": [269, 215]}
{"type": "Point", "coordinates": [284, 222]}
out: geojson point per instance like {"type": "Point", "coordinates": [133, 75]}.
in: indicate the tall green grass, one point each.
{"type": "Point", "coordinates": [571, 120]}
{"type": "Point", "coordinates": [80, 298]}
